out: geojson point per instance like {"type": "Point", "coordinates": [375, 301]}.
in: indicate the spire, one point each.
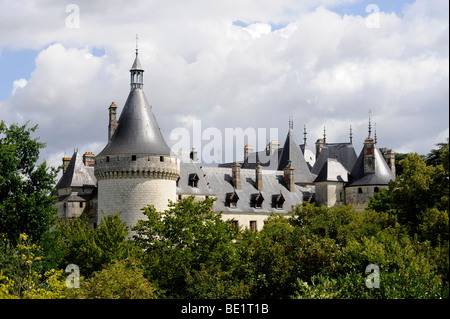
{"type": "Point", "coordinates": [351, 135]}
{"type": "Point", "coordinates": [304, 134]}
{"type": "Point", "coordinates": [370, 126]}
{"type": "Point", "coordinates": [137, 72]}
{"type": "Point", "coordinates": [375, 126]}
{"type": "Point", "coordinates": [291, 122]}
{"type": "Point", "coordinates": [324, 135]}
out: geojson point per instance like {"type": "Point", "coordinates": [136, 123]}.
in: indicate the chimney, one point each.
{"type": "Point", "coordinates": [273, 146]}
{"type": "Point", "coordinates": [193, 155]}
{"type": "Point", "coordinates": [390, 160]}
{"type": "Point", "coordinates": [320, 143]}
{"type": "Point", "coordinates": [88, 159]}
{"type": "Point", "coordinates": [236, 175]}
{"type": "Point", "coordinates": [66, 161]}
{"type": "Point", "coordinates": [247, 150]}
{"type": "Point", "coordinates": [369, 156]}
{"type": "Point", "coordinates": [259, 180]}
{"type": "Point", "coordinates": [112, 120]}
{"type": "Point", "coordinates": [289, 177]}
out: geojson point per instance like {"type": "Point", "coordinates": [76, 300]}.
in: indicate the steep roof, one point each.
{"type": "Point", "coordinates": [188, 167]}
{"type": "Point", "coordinates": [343, 152]}
{"type": "Point", "coordinates": [332, 171]}
{"type": "Point", "coordinates": [382, 174]}
{"type": "Point", "coordinates": [77, 174]}
{"type": "Point", "coordinates": [292, 153]}
{"type": "Point", "coordinates": [137, 130]}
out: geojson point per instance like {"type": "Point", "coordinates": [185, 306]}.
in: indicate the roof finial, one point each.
{"type": "Point", "coordinates": [324, 135]}
{"type": "Point", "coordinates": [304, 134]}
{"type": "Point", "coordinates": [375, 126]}
{"type": "Point", "coordinates": [351, 135]}
{"type": "Point", "coordinates": [370, 126]}
{"type": "Point", "coordinates": [291, 122]}
{"type": "Point", "coordinates": [137, 44]}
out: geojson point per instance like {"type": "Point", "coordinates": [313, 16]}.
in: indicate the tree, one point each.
{"type": "Point", "coordinates": [26, 205]}
{"type": "Point", "coordinates": [183, 244]}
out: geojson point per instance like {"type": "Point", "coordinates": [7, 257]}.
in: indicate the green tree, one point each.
{"type": "Point", "coordinates": [26, 205]}
{"type": "Point", "coordinates": [180, 241]}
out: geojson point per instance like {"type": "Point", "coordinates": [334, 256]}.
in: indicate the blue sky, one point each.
{"type": "Point", "coordinates": [229, 64]}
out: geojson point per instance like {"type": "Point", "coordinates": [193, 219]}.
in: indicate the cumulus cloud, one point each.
{"type": "Point", "coordinates": [321, 67]}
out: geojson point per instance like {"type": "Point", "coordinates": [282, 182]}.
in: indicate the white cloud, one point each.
{"type": "Point", "coordinates": [323, 68]}
{"type": "Point", "coordinates": [19, 84]}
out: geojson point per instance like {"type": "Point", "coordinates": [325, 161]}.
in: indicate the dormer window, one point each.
{"type": "Point", "coordinates": [193, 180]}
{"type": "Point", "coordinates": [232, 199]}
{"type": "Point", "coordinates": [278, 201]}
{"type": "Point", "coordinates": [257, 200]}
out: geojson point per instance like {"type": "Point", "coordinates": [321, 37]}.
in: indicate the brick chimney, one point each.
{"type": "Point", "coordinates": [320, 143]}
{"type": "Point", "coordinates": [369, 156]}
{"type": "Point", "coordinates": [289, 177]}
{"type": "Point", "coordinates": [88, 159]}
{"type": "Point", "coordinates": [259, 180]}
{"type": "Point", "coordinates": [273, 147]}
{"type": "Point", "coordinates": [236, 175]}
{"type": "Point", "coordinates": [247, 150]}
{"type": "Point", "coordinates": [390, 160]}
{"type": "Point", "coordinates": [66, 161]}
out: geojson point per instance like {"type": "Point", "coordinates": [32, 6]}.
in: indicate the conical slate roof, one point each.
{"type": "Point", "coordinates": [292, 152]}
{"type": "Point", "coordinates": [136, 65]}
{"type": "Point", "coordinates": [77, 174]}
{"type": "Point", "coordinates": [137, 130]}
{"type": "Point", "coordinates": [382, 174]}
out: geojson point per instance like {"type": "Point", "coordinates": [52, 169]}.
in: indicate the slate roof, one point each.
{"type": "Point", "coordinates": [332, 171]}
{"type": "Point", "coordinates": [382, 174]}
{"type": "Point", "coordinates": [77, 174]}
{"type": "Point", "coordinates": [137, 131]}
{"type": "Point", "coordinates": [343, 152]}
{"type": "Point", "coordinates": [187, 168]}
{"type": "Point", "coordinates": [220, 181]}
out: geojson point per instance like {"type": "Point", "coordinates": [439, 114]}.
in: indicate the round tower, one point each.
{"type": "Point", "coordinates": [136, 168]}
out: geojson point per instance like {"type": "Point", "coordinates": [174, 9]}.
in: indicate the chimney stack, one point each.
{"type": "Point", "coordinates": [369, 156]}
{"type": "Point", "coordinates": [259, 180]}
{"type": "Point", "coordinates": [247, 150]}
{"type": "Point", "coordinates": [273, 147]}
{"type": "Point", "coordinates": [236, 175]}
{"type": "Point", "coordinates": [112, 120]}
{"type": "Point", "coordinates": [66, 161]}
{"type": "Point", "coordinates": [289, 177]}
{"type": "Point", "coordinates": [390, 159]}
{"type": "Point", "coordinates": [320, 143]}
{"type": "Point", "coordinates": [88, 159]}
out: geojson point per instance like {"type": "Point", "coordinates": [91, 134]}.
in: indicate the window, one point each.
{"type": "Point", "coordinates": [278, 201]}
{"type": "Point", "coordinates": [253, 226]}
{"type": "Point", "coordinates": [257, 200]}
{"type": "Point", "coordinates": [193, 180]}
{"type": "Point", "coordinates": [376, 190]}
{"type": "Point", "coordinates": [107, 159]}
{"type": "Point", "coordinates": [232, 199]}
{"type": "Point", "coordinates": [161, 158]}
{"type": "Point", "coordinates": [235, 224]}
{"type": "Point", "coordinates": [133, 158]}
{"type": "Point", "coordinates": [359, 190]}
{"type": "Point", "coordinates": [81, 204]}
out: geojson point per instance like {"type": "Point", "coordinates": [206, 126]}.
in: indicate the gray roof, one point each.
{"type": "Point", "coordinates": [220, 181]}
{"type": "Point", "coordinates": [343, 152]}
{"type": "Point", "coordinates": [136, 65]}
{"type": "Point", "coordinates": [77, 174]}
{"type": "Point", "coordinates": [332, 171]}
{"type": "Point", "coordinates": [382, 174]}
{"type": "Point", "coordinates": [187, 169]}
{"type": "Point", "coordinates": [137, 130]}
{"type": "Point", "coordinates": [292, 153]}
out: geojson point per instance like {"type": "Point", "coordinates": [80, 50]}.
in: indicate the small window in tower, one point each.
{"type": "Point", "coordinates": [107, 159]}
{"type": "Point", "coordinates": [376, 190]}
{"type": "Point", "coordinates": [81, 204]}
{"type": "Point", "coordinates": [133, 158]}
{"type": "Point", "coordinates": [360, 190]}
{"type": "Point", "coordinates": [161, 158]}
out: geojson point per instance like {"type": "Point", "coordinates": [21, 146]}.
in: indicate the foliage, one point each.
{"type": "Point", "coordinates": [121, 279]}
{"type": "Point", "coordinates": [90, 248]}
{"type": "Point", "coordinates": [25, 202]}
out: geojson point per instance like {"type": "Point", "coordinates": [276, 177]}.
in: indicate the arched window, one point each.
{"type": "Point", "coordinates": [359, 190]}
{"type": "Point", "coordinates": [376, 190]}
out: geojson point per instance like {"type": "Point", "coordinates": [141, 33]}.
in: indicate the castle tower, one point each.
{"type": "Point", "coordinates": [136, 167]}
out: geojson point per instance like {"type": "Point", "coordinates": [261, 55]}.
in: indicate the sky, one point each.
{"type": "Point", "coordinates": [250, 64]}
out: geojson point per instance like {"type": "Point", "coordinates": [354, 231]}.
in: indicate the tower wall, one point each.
{"type": "Point", "coordinates": [128, 183]}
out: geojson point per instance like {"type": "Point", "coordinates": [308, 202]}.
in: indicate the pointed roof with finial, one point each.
{"type": "Point", "coordinates": [137, 64]}
{"type": "Point", "coordinates": [137, 130]}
